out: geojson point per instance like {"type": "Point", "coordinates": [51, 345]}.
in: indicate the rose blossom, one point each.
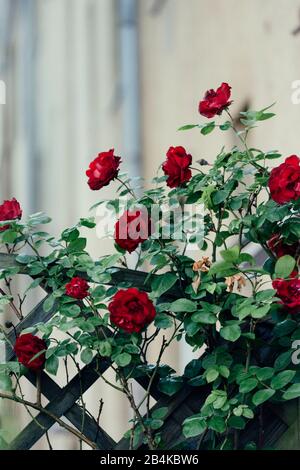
{"type": "Point", "coordinates": [77, 288]}
{"type": "Point", "coordinates": [103, 169]}
{"type": "Point", "coordinates": [278, 246]}
{"type": "Point", "coordinates": [131, 310]}
{"type": "Point", "coordinates": [288, 290]}
{"type": "Point", "coordinates": [177, 166]}
{"type": "Point", "coordinates": [284, 181]}
{"type": "Point", "coordinates": [132, 228]}
{"type": "Point", "coordinates": [215, 101]}
{"type": "Point", "coordinates": [9, 210]}
{"type": "Point", "coordinates": [26, 347]}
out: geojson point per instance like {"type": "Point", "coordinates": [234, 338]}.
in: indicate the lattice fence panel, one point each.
{"type": "Point", "coordinates": [63, 402]}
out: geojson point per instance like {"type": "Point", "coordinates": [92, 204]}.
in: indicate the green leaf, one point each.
{"type": "Point", "coordinates": [208, 128]}
{"type": "Point", "coordinates": [231, 332]}
{"type": "Point", "coordinates": [284, 328]}
{"type": "Point", "coordinates": [223, 268]}
{"type": "Point", "coordinates": [5, 383]}
{"type": "Point", "coordinates": [170, 385]}
{"type": "Point", "coordinates": [204, 317]}
{"type": "Point", "coordinates": [9, 236]}
{"type": "Point", "coordinates": [163, 283]}
{"type": "Point", "coordinates": [183, 305]}
{"type": "Point", "coordinates": [227, 125]}
{"type": "Point", "coordinates": [260, 312]}
{"type": "Point", "coordinates": [248, 385]}
{"type": "Point", "coordinates": [219, 402]}
{"type": "Point", "coordinates": [25, 259]}
{"type": "Point", "coordinates": [231, 255]}
{"type": "Point", "coordinates": [156, 424]}
{"type": "Point", "coordinates": [236, 422]}
{"type": "Point", "coordinates": [163, 321]}
{"type": "Point", "coordinates": [88, 222]}
{"type": "Point", "coordinates": [284, 266]}
{"type": "Point", "coordinates": [282, 379]}
{"type": "Point", "coordinates": [193, 426]}
{"type": "Point", "coordinates": [193, 368]}
{"type": "Point", "coordinates": [51, 365]}
{"type": "Point", "coordinates": [283, 360]}
{"type": "Point", "coordinates": [211, 375]}
{"type": "Point", "coordinates": [77, 245]}
{"type": "Point", "coordinates": [71, 310]}
{"type": "Point", "coordinates": [188, 127]}
{"type": "Point", "coordinates": [220, 196]}
{"type": "Point", "coordinates": [86, 356]}
{"type": "Point", "coordinates": [292, 392]}
{"type": "Point", "coordinates": [262, 395]}
{"type": "Point", "coordinates": [49, 303]}
{"type": "Point", "coordinates": [160, 413]}
{"type": "Point", "coordinates": [264, 373]}
{"type": "Point", "coordinates": [123, 359]}
{"type": "Point", "coordinates": [224, 371]}
{"type": "Point", "coordinates": [217, 424]}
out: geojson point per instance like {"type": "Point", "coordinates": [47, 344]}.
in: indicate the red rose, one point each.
{"type": "Point", "coordinates": [131, 229]}
{"type": "Point", "coordinates": [177, 166]}
{"type": "Point", "coordinates": [280, 248]}
{"type": "Point", "coordinates": [288, 291]}
{"type": "Point", "coordinates": [284, 181]}
{"type": "Point", "coordinates": [131, 310]}
{"type": "Point", "coordinates": [214, 102]}
{"type": "Point", "coordinates": [77, 288]}
{"type": "Point", "coordinates": [26, 347]}
{"type": "Point", "coordinates": [103, 170]}
{"type": "Point", "coordinates": [10, 210]}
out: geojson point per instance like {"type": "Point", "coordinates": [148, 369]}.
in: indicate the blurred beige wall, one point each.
{"type": "Point", "coordinates": [61, 60]}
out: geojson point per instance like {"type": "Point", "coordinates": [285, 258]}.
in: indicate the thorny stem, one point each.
{"type": "Point", "coordinates": [131, 192]}
{"type": "Point", "coordinates": [146, 431]}
{"type": "Point", "coordinates": [12, 305]}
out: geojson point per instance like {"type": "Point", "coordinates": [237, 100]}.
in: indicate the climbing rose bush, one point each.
{"type": "Point", "coordinates": [191, 242]}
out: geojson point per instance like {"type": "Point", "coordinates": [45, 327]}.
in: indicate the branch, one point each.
{"type": "Point", "coordinates": [51, 415]}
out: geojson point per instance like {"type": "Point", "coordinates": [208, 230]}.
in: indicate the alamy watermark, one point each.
{"type": "Point", "coordinates": [296, 354]}
{"type": "Point", "coordinates": [180, 222]}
